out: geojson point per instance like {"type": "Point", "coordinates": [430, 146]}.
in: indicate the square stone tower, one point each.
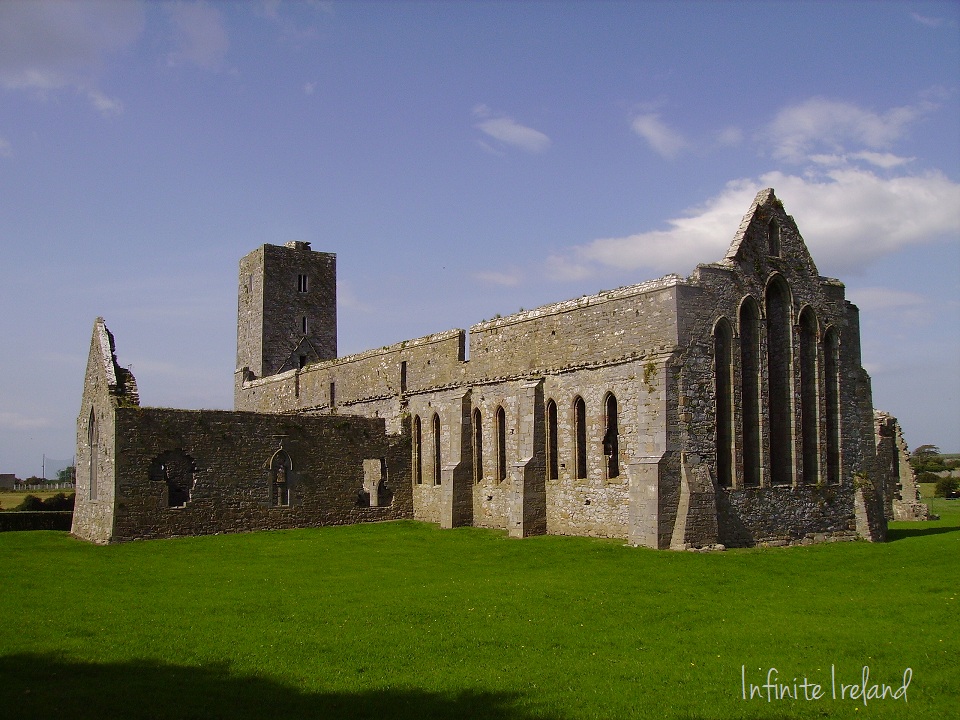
{"type": "Point", "coordinates": [286, 308]}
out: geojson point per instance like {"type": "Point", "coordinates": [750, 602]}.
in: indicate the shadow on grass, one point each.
{"type": "Point", "coordinates": [894, 534]}
{"type": "Point", "coordinates": [44, 686]}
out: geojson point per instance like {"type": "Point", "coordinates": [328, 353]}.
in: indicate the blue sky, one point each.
{"type": "Point", "coordinates": [463, 160]}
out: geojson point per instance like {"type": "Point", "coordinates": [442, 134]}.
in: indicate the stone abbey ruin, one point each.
{"type": "Point", "coordinates": [726, 408]}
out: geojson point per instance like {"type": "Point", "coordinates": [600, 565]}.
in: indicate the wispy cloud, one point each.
{"type": "Point", "coordinates": [933, 22]}
{"type": "Point", "coordinates": [881, 298]}
{"type": "Point", "coordinates": [51, 46]}
{"type": "Point", "coordinates": [200, 36]}
{"type": "Point", "coordinates": [106, 105]}
{"type": "Point", "coordinates": [507, 131]}
{"type": "Point", "coordinates": [664, 140]}
{"type": "Point", "coordinates": [880, 160]}
{"type": "Point", "coordinates": [6, 150]}
{"type": "Point", "coordinates": [19, 422]}
{"type": "Point", "coordinates": [730, 137]}
{"type": "Point", "coordinates": [510, 278]}
{"type": "Point", "coordinates": [820, 125]}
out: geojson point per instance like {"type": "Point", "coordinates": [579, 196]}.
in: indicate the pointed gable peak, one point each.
{"type": "Point", "coordinates": [119, 382]}
{"type": "Point", "coordinates": [767, 233]}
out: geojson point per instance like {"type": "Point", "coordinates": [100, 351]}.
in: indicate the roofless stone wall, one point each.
{"type": "Point", "coordinates": [182, 472]}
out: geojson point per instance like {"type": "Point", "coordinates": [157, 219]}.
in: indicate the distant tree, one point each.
{"type": "Point", "coordinates": [67, 475]}
{"type": "Point", "coordinates": [946, 486]}
{"type": "Point", "coordinates": [926, 451]}
{"type": "Point", "coordinates": [60, 501]}
{"type": "Point", "coordinates": [30, 503]}
{"type": "Point", "coordinates": [926, 458]}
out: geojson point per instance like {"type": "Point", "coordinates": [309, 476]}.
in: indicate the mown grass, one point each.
{"type": "Point", "coordinates": [404, 620]}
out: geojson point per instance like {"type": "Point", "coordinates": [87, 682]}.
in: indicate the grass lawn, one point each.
{"type": "Point", "coordinates": [404, 620]}
{"type": "Point", "coordinates": [9, 500]}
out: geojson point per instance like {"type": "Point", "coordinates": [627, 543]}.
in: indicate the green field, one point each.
{"type": "Point", "coordinates": [10, 499]}
{"type": "Point", "coordinates": [404, 620]}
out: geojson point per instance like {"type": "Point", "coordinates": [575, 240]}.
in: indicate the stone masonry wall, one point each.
{"type": "Point", "coordinates": [785, 515]}
{"type": "Point", "coordinates": [274, 303]}
{"type": "Point", "coordinates": [231, 480]}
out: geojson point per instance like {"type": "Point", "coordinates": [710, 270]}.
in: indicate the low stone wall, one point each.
{"type": "Point", "coordinates": [785, 515]}
{"type": "Point", "coordinates": [224, 468]}
{"type": "Point", "coordinates": [38, 520]}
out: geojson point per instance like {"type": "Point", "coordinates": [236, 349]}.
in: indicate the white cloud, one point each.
{"type": "Point", "coordinates": [309, 88]}
{"type": "Point", "coordinates": [50, 46]}
{"type": "Point", "coordinates": [819, 124]}
{"type": "Point", "coordinates": [5, 148]}
{"type": "Point", "coordinates": [933, 22]}
{"type": "Point", "coordinates": [348, 298]}
{"type": "Point", "coordinates": [881, 160]}
{"type": "Point", "coordinates": [664, 140]}
{"type": "Point", "coordinates": [16, 421]}
{"type": "Point", "coordinates": [509, 132]}
{"type": "Point", "coordinates": [507, 279]}
{"type": "Point", "coordinates": [200, 37]}
{"type": "Point", "coordinates": [106, 105]}
{"type": "Point", "coordinates": [730, 137]}
{"type": "Point", "coordinates": [880, 298]}
{"type": "Point", "coordinates": [848, 217]}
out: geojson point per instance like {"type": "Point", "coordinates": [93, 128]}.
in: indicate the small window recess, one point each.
{"type": "Point", "coordinates": [773, 238]}
{"type": "Point", "coordinates": [304, 325]}
{"type": "Point", "coordinates": [333, 394]}
{"type": "Point", "coordinates": [303, 283]}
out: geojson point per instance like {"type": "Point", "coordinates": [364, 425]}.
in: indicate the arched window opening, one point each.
{"type": "Point", "coordinates": [93, 442]}
{"type": "Point", "coordinates": [750, 390]}
{"type": "Point", "coordinates": [723, 387]}
{"type": "Point", "coordinates": [553, 456]}
{"type": "Point", "coordinates": [580, 436]}
{"type": "Point", "coordinates": [437, 477]}
{"type": "Point", "coordinates": [611, 437]}
{"type": "Point", "coordinates": [477, 446]}
{"type": "Point", "coordinates": [779, 377]}
{"type": "Point", "coordinates": [417, 450]}
{"type": "Point", "coordinates": [831, 372]}
{"type": "Point", "coordinates": [501, 445]}
{"type": "Point", "coordinates": [809, 410]}
{"type": "Point", "coordinates": [280, 468]}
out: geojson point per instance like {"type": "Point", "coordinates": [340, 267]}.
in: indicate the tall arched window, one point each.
{"type": "Point", "coordinates": [750, 390]}
{"type": "Point", "coordinates": [417, 450]}
{"type": "Point", "coordinates": [831, 377]}
{"type": "Point", "coordinates": [93, 442]}
{"type": "Point", "coordinates": [553, 456]}
{"type": "Point", "coordinates": [779, 380]}
{"type": "Point", "coordinates": [501, 445]}
{"type": "Point", "coordinates": [437, 477]}
{"type": "Point", "coordinates": [611, 436]}
{"type": "Point", "coordinates": [580, 436]}
{"type": "Point", "coordinates": [809, 410]}
{"type": "Point", "coordinates": [477, 446]}
{"type": "Point", "coordinates": [723, 387]}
